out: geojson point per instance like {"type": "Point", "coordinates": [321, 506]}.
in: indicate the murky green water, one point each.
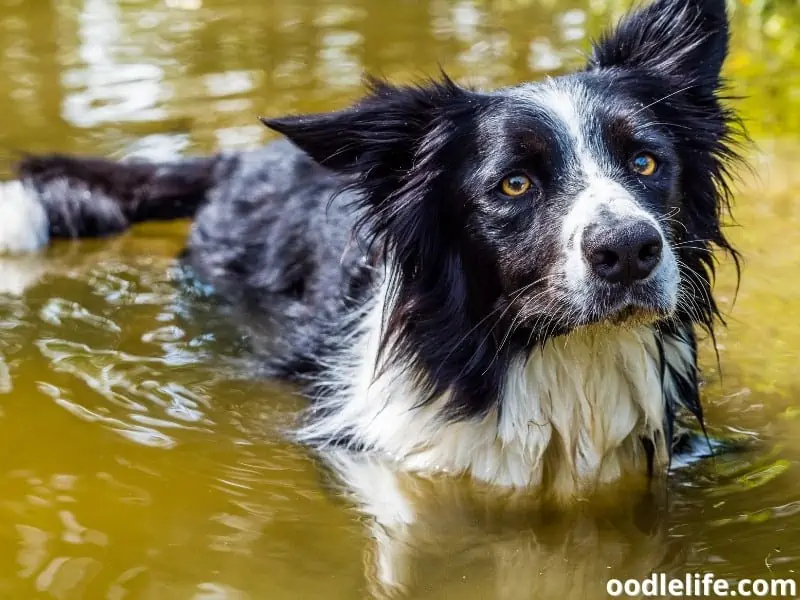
{"type": "Point", "coordinates": [135, 462]}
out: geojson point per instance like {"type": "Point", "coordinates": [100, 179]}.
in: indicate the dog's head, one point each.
{"type": "Point", "coordinates": [538, 209]}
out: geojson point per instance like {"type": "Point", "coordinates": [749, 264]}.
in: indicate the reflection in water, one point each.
{"type": "Point", "coordinates": [432, 538]}
{"type": "Point", "coordinates": [139, 460]}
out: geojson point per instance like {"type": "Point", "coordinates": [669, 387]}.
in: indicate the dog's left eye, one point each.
{"type": "Point", "coordinates": [644, 164]}
{"type": "Point", "coordinates": [516, 185]}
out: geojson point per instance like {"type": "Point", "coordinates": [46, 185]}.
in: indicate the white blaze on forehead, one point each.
{"type": "Point", "coordinates": [562, 100]}
{"type": "Point", "coordinates": [568, 104]}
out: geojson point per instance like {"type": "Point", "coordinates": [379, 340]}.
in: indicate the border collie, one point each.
{"type": "Point", "coordinates": [503, 284]}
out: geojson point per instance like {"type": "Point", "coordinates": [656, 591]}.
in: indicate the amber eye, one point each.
{"type": "Point", "coordinates": [516, 185]}
{"type": "Point", "coordinates": [644, 164]}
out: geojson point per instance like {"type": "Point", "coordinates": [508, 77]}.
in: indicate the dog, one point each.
{"type": "Point", "coordinates": [501, 284]}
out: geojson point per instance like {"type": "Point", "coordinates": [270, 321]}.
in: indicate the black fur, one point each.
{"type": "Point", "coordinates": [90, 197]}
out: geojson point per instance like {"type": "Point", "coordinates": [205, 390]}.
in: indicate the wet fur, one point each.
{"type": "Point", "coordinates": [369, 264]}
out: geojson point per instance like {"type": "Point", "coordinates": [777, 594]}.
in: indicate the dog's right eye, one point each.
{"type": "Point", "coordinates": [517, 185]}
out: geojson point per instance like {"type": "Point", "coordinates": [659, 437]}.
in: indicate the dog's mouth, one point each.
{"type": "Point", "coordinates": [562, 311]}
{"type": "Point", "coordinates": [625, 311]}
{"type": "Point", "coordinates": [635, 306]}
{"type": "Point", "coordinates": [635, 314]}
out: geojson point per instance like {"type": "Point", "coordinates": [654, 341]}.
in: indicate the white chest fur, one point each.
{"type": "Point", "coordinates": [571, 417]}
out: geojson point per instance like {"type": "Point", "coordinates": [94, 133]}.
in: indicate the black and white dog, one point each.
{"type": "Point", "coordinates": [504, 284]}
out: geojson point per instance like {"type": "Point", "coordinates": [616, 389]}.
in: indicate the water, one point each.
{"type": "Point", "coordinates": [136, 462]}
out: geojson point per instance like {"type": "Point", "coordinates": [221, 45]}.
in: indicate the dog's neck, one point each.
{"type": "Point", "coordinates": [573, 414]}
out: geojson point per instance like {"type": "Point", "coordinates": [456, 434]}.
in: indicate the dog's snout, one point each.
{"type": "Point", "coordinates": [625, 253]}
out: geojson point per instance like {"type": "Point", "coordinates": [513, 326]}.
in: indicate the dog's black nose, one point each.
{"type": "Point", "coordinates": [625, 253]}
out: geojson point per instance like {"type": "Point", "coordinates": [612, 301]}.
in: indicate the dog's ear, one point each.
{"type": "Point", "coordinates": [378, 136]}
{"type": "Point", "coordinates": [685, 41]}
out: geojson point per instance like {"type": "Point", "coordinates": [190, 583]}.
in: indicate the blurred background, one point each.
{"type": "Point", "coordinates": [135, 462]}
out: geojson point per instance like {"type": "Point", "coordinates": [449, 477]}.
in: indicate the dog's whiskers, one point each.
{"type": "Point", "coordinates": [667, 97]}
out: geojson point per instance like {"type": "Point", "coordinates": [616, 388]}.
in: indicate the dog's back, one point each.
{"type": "Point", "coordinates": [270, 233]}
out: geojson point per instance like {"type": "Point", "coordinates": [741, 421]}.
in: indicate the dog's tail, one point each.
{"type": "Point", "coordinates": [58, 196]}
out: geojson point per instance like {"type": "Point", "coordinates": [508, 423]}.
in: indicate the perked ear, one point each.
{"type": "Point", "coordinates": [378, 135]}
{"type": "Point", "coordinates": [683, 40]}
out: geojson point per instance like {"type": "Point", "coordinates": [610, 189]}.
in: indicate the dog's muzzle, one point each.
{"type": "Point", "coordinates": [619, 264]}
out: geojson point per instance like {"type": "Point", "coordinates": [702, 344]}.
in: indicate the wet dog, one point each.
{"type": "Point", "coordinates": [504, 284]}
